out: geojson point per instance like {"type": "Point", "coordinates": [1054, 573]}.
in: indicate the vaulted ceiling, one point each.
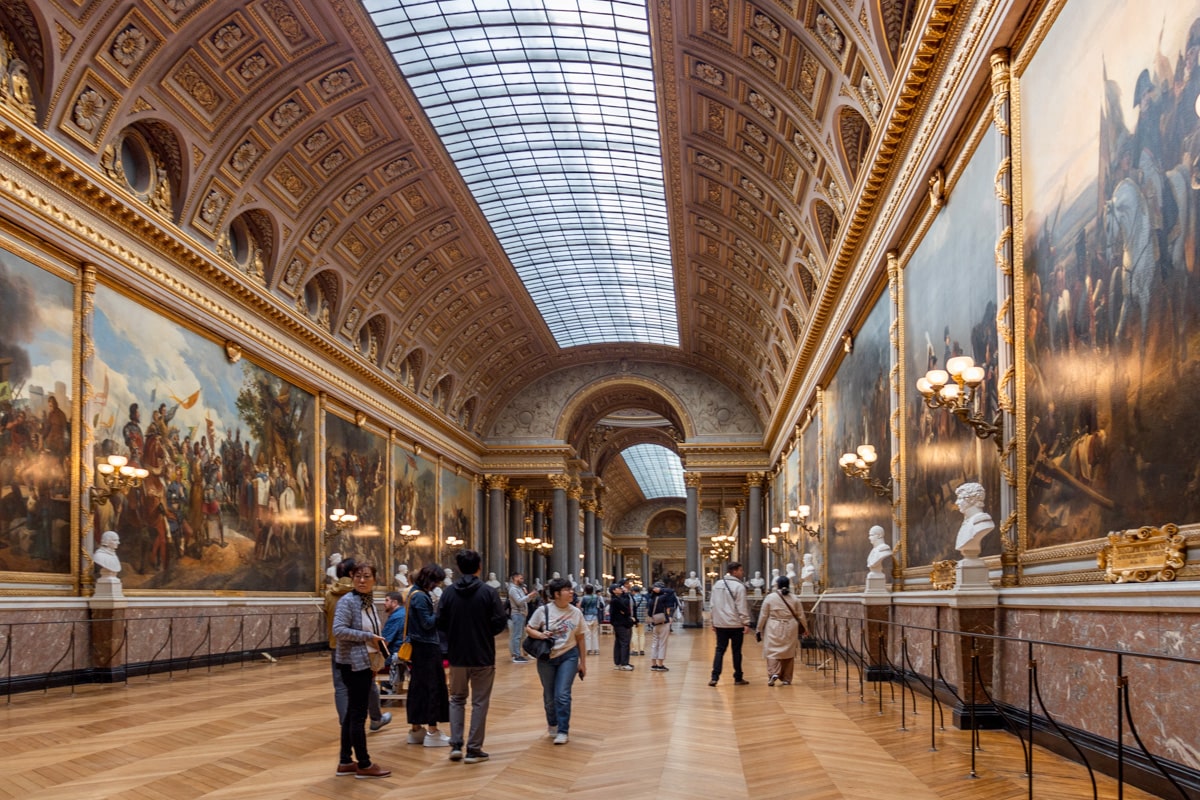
{"type": "Point", "coordinates": [282, 138]}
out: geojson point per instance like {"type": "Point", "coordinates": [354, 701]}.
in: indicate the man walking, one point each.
{"type": "Point", "coordinates": [470, 614]}
{"type": "Point", "coordinates": [620, 616]}
{"type": "Point", "coordinates": [518, 613]}
{"type": "Point", "coordinates": [730, 621]}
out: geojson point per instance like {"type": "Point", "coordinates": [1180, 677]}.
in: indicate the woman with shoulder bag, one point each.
{"type": "Point", "coordinates": [660, 610]}
{"type": "Point", "coordinates": [358, 631]}
{"type": "Point", "coordinates": [780, 625]}
{"type": "Point", "coordinates": [591, 606]}
{"type": "Point", "coordinates": [561, 623]}
{"type": "Point", "coordinates": [428, 698]}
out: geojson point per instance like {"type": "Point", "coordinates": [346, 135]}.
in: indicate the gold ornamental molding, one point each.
{"type": "Point", "coordinates": [942, 576]}
{"type": "Point", "coordinates": [1142, 556]}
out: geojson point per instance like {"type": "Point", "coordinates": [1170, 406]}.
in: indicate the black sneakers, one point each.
{"type": "Point", "coordinates": [475, 756]}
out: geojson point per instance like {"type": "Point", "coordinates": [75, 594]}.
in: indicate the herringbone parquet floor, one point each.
{"type": "Point", "coordinates": [269, 731]}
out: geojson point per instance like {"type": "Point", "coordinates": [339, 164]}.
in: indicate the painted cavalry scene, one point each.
{"type": "Point", "coordinates": [227, 502]}
{"type": "Point", "coordinates": [1111, 293]}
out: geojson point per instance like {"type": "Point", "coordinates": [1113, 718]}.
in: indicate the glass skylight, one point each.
{"type": "Point", "coordinates": [658, 471]}
{"type": "Point", "coordinates": [548, 109]}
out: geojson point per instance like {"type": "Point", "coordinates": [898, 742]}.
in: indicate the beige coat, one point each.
{"type": "Point", "coordinates": [779, 628]}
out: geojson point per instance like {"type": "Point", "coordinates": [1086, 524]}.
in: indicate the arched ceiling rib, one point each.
{"type": "Point", "coordinates": [294, 109]}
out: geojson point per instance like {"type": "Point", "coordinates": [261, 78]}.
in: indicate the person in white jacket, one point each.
{"type": "Point", "coordinates": [730, 621]}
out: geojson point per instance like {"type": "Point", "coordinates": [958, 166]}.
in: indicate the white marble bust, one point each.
{"type": "Point", "coordinates": [571, 580]}
{"type": "Point", "coordinates": [492, 581]}
{"type": "Point", "coordinates": [791, 572]}
{"type": "Point", "coordinates": [105, 556]}
{"type": "Point", "coordinates": [757, 581]}
{"type": "Point", "coordinates": [449, 577]}
{"type": "Point", "coordinates": [331, 573]}
{"type": "Point", "coordinates": [774, 575]}
{"type": "Point", "coordinates": [402, 581]}
{"type": "Point", "coordinates": [880, 551]}
{"type": "Point", "coordinates": [554, 575]}
{"type": "Point", "coordinates": [694, 584]}
{"type": "Point", "coordinates": [976, 523]}
{"type": "Point", "coordinates": [808, 571]}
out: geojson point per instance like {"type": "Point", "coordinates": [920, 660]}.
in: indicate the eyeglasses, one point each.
{"type": "Point", "coordinates": [364, 576]}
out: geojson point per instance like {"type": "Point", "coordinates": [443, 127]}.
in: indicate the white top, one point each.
{"type": "Point", "coordinates": [563, 623]}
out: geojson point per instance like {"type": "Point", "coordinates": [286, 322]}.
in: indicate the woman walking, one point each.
{"type": "Point", "coordinates": [780, 624]}
{"type": "Point", "coordinates": [358, 631]}
{"type": "Point", "coordinates": [591, 606]}
{"type": "Point", "coordinates": [563, 623]}
{"type": "Point", "coordinates": [428, 698]}
{"type": "Point", "coordinates": [660, 609]}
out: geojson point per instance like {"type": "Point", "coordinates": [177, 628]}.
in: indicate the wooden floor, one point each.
{"type": "Point", "coordinates": [266, 731]}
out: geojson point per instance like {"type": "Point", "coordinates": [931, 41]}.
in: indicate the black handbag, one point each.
{"type": "Point", "coordinates": [538, 648]}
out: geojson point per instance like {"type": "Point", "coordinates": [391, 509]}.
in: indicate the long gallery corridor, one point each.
{"type": "Point", "coordinates": [269, 732]}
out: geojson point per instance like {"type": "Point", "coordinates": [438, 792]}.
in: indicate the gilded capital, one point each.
{"type": "Point", "coordinates": [575, 492]}
{"type": "Point", "coordinates": [590, 505]}
{"type": "Point", "coordinates": [496, 482]}
{"type": "Point", "coordinates": [893, 265]}
{"type": "Point", "coordinates": [519, 493]}
{"type": "Point", "coordinates": [1001, 71]}
{"type": "Point", "coordinates": [559, 481]}
{"type": "Point", "coordinates": [754, 479]}
{"type": "Point", "coordinates": [692, 479]}
{"type": "Point", "coordinates": [540, 506]}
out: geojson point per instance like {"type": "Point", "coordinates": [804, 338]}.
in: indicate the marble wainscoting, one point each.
{"type": "Point", "coordinates": [1079, 686]}
{"type": "Point", "coordinates": [38, 636]}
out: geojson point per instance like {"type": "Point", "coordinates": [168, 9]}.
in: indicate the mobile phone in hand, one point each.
{"type": "Point", "coordinates": [579, 675]}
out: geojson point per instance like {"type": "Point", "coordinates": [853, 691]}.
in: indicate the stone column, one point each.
{"type": "Point", "coordinates": [574, 548]}
{"type": "Point", "coordinates": [494, 555]}
{"type": "Point", "coordinates": [479, 523]}
{"type": "Point", "coordinates": [537, 564]}
{"type": "Point", "coordinates": [742, 552]}
{"type": "Point", "coordinates": [692, 481]}
{"type": "Point", "coordinates": [516, 528]}
{"type": "Point", "coordinates": [558, 505]}
{"type": "Point", "coordinates": [754, 526]}
{"type": "Point", "coordinates": [646, 567]}
{"type": "Point", "coordinates": [589, 542]}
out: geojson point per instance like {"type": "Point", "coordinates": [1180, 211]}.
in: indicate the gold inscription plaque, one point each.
{"type": "Point", "coordinates": [1147, 554]}
{"type": "Point", "coordinates": [943, 575]}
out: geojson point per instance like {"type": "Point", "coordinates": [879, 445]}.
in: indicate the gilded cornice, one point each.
{"type": "Point", "coordinates": [911, 97]}
{"type": "Point", "coordinates": [225, 299]}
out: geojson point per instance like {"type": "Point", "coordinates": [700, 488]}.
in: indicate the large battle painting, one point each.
{"type": "Point", "coordinates": [1112, 249]}
{"type": "Point", "coordinates": [858, 408]}
{"type": "Point", "coordinates": [230, 451]}
{"type": "Point", "coordinates": [36, 323]}
{"type": "Point", "coordinates": [458, 500]}
{"type": "Point", "coordinates": [356, 482]}
{"type": "Point", "coordinates": [952, 312]}
{"type": "Point", "coordinates": [414, 498]}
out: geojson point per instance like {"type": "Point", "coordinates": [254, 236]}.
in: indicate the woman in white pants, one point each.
{"type": "Point", "coordinates": [660, 609]}
{"type": "Point", "coordinates": [592, 609]}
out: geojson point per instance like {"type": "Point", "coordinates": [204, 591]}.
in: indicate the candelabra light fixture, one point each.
{"type": "Point", "coordinates": [858, 465]}
{"type": "Point", "coordinates": [776, 540]}
{"type": "Point", "coordinates": [405, 536]}
{"type": "Point", "coordinates": [115, 475]}
{"type": "Point", "coordinates": [954, 389]}
{"type": "Point", "coordinates": [340, 520]}
{"type": "Point", "coordinates": [545, 549]}
{"type": "Point", "coordinates": [721, 547]}
{"type": "Point", "coordinates": [800, 517]}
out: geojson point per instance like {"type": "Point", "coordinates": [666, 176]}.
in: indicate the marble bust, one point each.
{"type": "Point", "coordinates": [492, 581]}
{"type": "Point", "coordinates": [791, 572]}
{"type": "Point", "coordinates": [331, 573]}
{"type": "Point", "coordinates": [880, 551]}
{"type": "Point", "coordinates": [808, 571]}
{"type": "Point", "coordinates": [449, 577]}
{"type": "Point", "coordinates": [693, 584]}
{"type": "Point", "coordinates": [757, 582]}
{"type": "Point", "coordinates": [976, 523]}
{"type": "Point", "coordinates": [402, 581]}
{"type": "Point", "coordinates": [105, 556]}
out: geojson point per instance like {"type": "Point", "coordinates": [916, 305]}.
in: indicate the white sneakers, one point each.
{"type": "Point", "coordinates": [560, 738]}
{"type": "Point", "coordinates": [436, 740]}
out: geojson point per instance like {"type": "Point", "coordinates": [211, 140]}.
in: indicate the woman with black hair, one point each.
{"type": "Point", "coordinates": [563, 623]}
{"type": "Point", "coordinates": [358, 631]}
{"type": "Point", "coordinates": [428, 698]}
{"type": "Point", "coordinates": [780, 624]}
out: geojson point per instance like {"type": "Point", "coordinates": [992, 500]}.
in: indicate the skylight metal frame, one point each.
{"type": "Point", "coordinates": [658, 470]}
{"type": "Point", "coordinates": [548, 109]}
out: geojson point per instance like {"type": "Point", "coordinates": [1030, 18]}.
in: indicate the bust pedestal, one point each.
{"type": "Point", "coordinates": [692, 618]}
{"type": "Point", "coordinates": [807, 590]}
{"type": "Point", "coordinates": [876, 584]}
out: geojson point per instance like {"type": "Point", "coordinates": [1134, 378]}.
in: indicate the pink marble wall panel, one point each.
{"type": "Point", "coordinates": [33, 642]}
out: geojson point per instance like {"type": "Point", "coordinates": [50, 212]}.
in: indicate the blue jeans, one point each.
{"type": "Point", "coordinates": [517, 621]}
{"type": "Point", "coordinates": [558, 674]}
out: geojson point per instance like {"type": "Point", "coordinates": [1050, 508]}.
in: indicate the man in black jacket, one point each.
{"type": "Point", "coordinates": [621, 617]}
{"type": "Point", "coordinates": [470, 614]}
